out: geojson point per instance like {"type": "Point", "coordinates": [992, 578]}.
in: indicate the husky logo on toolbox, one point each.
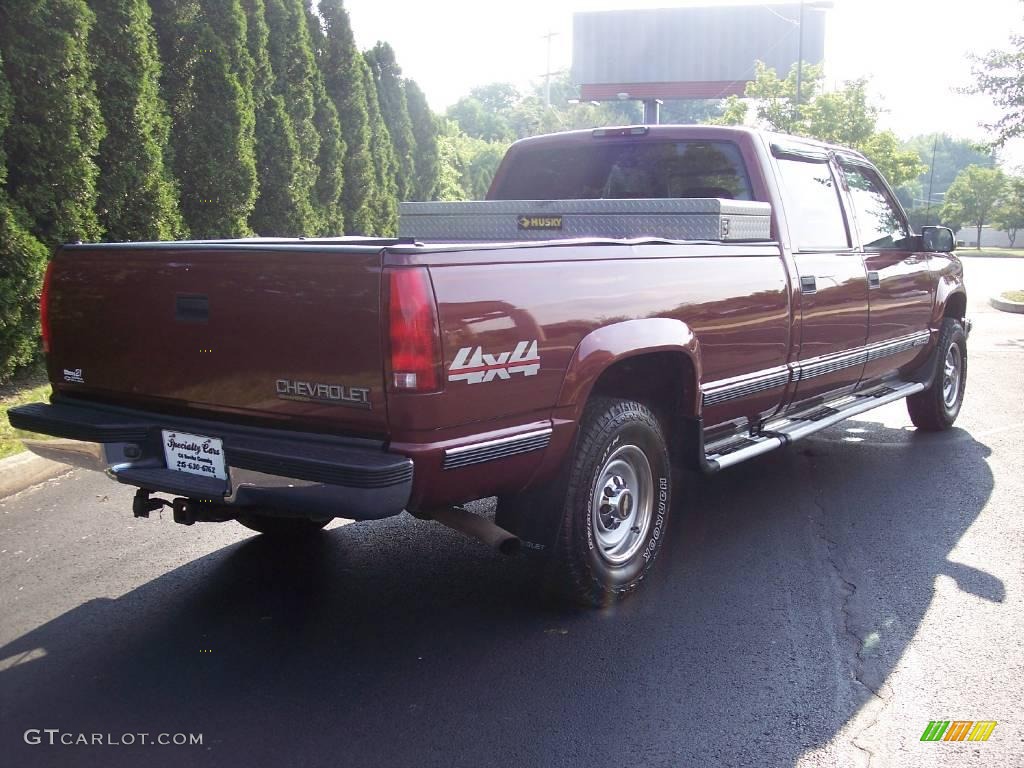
{"type": "Point", "coordinates": [474, 366]}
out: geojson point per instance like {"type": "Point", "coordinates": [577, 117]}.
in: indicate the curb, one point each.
{"type": "Point", "coordinates": [1006, 305]}
{"type": "Point", "coordinates": [23, 470]}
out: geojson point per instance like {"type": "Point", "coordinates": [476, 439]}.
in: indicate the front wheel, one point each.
{"type": "Point", "coordinates": [617, 503]}
{"type": "Point", "coordinates": [936, 408]}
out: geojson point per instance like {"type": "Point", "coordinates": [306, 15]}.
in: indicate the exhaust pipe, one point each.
{"type": "Point", "coordinates": [479, 528]}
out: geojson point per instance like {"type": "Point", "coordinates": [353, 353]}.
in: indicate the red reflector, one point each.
{"type": "Point", "coordinates": [414, 332]}
{"type": "Point", "coordinates": [44, 308]}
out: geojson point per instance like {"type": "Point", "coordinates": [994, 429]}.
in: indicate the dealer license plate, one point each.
{"type": "Point", "coordinates": [195, 454]}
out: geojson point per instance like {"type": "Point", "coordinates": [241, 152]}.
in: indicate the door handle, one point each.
{"type": "Point", "coordinates": [808, 284]}
{"type": "Point", "coordinates": [873, 280]}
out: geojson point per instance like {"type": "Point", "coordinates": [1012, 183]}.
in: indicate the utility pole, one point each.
{"type": "Point", "coordinates": [547, 70]}
{"type": "Point", "coordinates": [931, 177]}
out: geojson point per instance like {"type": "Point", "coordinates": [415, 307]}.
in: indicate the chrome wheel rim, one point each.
{"type": "Point", "coordinates": [623, 501]}
{"type": "Point", "coordinates": [952, 371]}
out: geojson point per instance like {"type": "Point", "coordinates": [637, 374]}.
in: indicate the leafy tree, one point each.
{"type": "Point", "coordinates": [480, 122]}
{"type": "Point", "coordinates": [973, 196]}
{"type": "Point", "coordinates": [734, 112]}
{"type": "Point", "coordinates": [281, 210]}
{"type": "Point", "coordinates": [22, 258]}
{"type": "Point", "coordinates": [776, 98]}
{"type": "Point", "coordinates": [345, 74]}
{"type": "Point", "coordinates": [467, 163]}
{"type": "Point", "coordinates": [424, 131]}
{"type": "Point", "coordinates": [207, 82]}
{"type": "Point", "coordinates": [1009, 214]}
{"type": "Point", "coordinates": [384, 202]}
{"type": "Point", "coordinates": [897, 165]}
{"type": "Point", "coordinates": [295, 72]}
{"type": "Point", "coordinates": [387, 77]}
{"type": "Point", "coordinates": [952, 155]}
{"type": "Point", "coordinates": [138, 199]}
{"type": "Point", "coordinates": [842, 117]}
{"type": "Point", "coordinates": [55, 127]}
{"type": "Point", "coordinates": [1000, 75]}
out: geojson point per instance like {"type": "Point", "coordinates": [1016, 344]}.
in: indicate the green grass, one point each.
{"type": "Point", "coordinates": [968, 250]}
{"type": "Point", "coordinates": [27, 389]}
{"type": "Point", "coordinates": [1014, 296]}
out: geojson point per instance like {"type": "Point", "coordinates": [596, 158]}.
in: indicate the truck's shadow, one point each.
{"type": "Point", "coordinates": [399, 644]}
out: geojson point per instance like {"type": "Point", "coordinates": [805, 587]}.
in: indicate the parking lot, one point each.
{"type": "Point", "coordinates": [817, 606]}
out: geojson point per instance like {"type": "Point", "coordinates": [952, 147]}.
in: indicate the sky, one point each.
{"type": "Point", "coordinates": [914, 52]}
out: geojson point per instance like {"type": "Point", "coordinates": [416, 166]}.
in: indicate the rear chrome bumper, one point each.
{"type": "Point", "coordinates": [292, 473]}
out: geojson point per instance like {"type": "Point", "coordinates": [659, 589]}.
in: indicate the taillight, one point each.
{"type": "Point", "coordinates": [44, 308]}
{"type": "Point", "coordinates": [414, 332]}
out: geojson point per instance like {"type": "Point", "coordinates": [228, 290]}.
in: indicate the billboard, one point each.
{"type": "Point", "coordinates": [679, 53]}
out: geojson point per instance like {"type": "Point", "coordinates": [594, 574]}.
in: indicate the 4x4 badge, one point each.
{"type": "Point", "coordinates": [474, 366]}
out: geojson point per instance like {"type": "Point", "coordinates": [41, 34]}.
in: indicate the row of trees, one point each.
{"type": "Point", "coordinates": [980, 196]}
{"type": "Point", "coordinates": [161, 119]}
{"type": "Point", "coordinates": [165, 119]}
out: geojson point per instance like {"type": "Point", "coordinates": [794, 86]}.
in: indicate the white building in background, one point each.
{"type": "Point", "coordinates": [990, 238]}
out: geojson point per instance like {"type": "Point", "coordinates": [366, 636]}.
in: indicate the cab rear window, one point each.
{"type": "Point", "coordinates": [616, 170]}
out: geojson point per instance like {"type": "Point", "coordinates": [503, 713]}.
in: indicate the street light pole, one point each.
{"type": "Point", "coordinates": [547, 70]}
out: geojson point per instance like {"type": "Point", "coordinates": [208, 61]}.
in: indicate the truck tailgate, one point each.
{"type": "Point", "coordinates": [286, 334]}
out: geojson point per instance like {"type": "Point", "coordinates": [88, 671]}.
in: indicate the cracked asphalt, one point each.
{"type": "Point", "coordinates": [815, 607]}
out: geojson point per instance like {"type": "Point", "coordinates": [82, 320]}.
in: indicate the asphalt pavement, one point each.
{"type": "Point", "coordinates": [817, 606]}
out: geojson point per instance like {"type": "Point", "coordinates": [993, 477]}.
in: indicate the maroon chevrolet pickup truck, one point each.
{"type": "Point", "coordinates": [626, 304]}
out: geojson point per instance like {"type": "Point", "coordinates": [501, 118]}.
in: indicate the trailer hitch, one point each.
{"type": "Point", "coordinates": [142, 505]}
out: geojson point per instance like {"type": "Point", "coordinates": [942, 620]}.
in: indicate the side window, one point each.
{"type": "Point", "coordinates": [879, 221]}
{"type": "Point", "coordinates": [812, 206]}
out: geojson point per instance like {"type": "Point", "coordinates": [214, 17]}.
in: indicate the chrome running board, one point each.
{"type": "Point", "coordinates": [774, 434]}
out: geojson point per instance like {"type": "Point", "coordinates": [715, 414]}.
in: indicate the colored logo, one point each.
{"type": "Point", "coordinates": [474, 366]}
{"type": "Point", "coordinates": [958, 730]}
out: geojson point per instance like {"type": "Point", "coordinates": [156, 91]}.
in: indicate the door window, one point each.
{"type": "Point", "coordinates": [880, 223]}
{"type": "Point", "coordinates": [812, 206]}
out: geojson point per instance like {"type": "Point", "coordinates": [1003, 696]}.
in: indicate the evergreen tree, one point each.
{"type": "Point", "coordinates": [281, 208]}
{"type": "Point", "coordinates": [294, 66]}
{"type": "Point", "coordinates": [343, 70]}
{"type": "Point", "coordinates": [208, 86]}
{"type": "Point", "coordinates": [387, 77]}
{"type": "Point", "coordinates": [22, 258]}
{"type": "Point", "coordinates": [55, 126]}
{"type": "Point", "coordinates": [330, 181]}
{"type": "Point", "coordinates": [138, 199]}
{"type": "Point", "coordinates": [384, 201]}
{"type": "Point", "coordinates": [425, 133]}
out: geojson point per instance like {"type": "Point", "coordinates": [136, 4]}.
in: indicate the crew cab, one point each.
{"type": "Point", "coordinates": [627, 302]}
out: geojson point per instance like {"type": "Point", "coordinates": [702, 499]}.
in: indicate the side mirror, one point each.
{"type": "Point", "coordinates": [938, 239]}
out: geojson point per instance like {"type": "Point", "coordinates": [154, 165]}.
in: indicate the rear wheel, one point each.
{"type": "Point", "coordinates": [936, 408]}
{"type": "Point", "coordinates": [281, 527]}
{"type": "Point", "coordinates": [616, 505]}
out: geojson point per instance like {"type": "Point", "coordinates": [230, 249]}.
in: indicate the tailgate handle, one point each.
{"type": "Point", "coordinates": [191, 308]}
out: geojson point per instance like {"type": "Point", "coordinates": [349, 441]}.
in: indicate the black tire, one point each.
{"type": "Point", "coordinates": [937, 407]}
{"type": "Point", "coordinates": [616, 438]}
{"type": "Point", "coordinates": [281, 527]}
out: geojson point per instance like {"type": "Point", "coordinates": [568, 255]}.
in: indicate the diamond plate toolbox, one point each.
{"type": "Point", "coordinates": [511, 220]}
